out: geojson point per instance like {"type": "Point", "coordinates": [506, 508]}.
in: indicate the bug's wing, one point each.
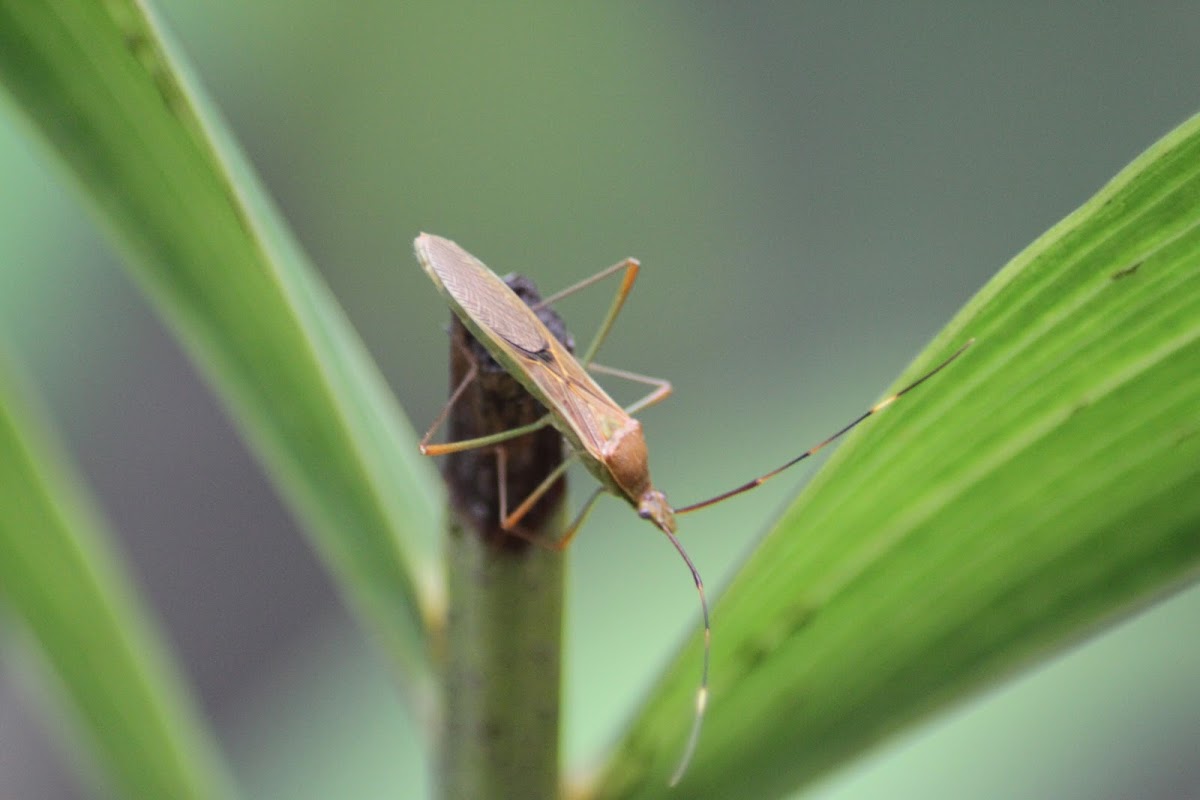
{"type": "Point", "coordinates": [480, 294]}
{"type": "Point", "coordinates": [514, 335]}
{"type": "Point", "coordinates": [580, 401]}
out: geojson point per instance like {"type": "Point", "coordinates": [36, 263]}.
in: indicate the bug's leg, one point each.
{"type": "Point", "coordinates": [631, 267]}
{"type": "Point", "coordinates": [446, 448]}
{"type": "Point", "coordinates": [510, 522]}
{"type": "Point", "coordinates": [470, 444]}
{"type": "Point", "coordinates": [440, 419]}
{"type": "Point", "coordinates": [583, 284]}
{"type": "Point", "coordinates": [661, 391]}
{"type": "Point", "coordinates": [580, 518]}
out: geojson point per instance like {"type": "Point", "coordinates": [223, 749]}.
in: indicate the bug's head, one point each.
{"type": "Point", "coordinates": [653, 505]}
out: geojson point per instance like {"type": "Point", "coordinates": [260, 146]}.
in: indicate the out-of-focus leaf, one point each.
{"type": "Point", "coordinates": [61, 580]}
{"type": "Point", "coordinates": [97, 81]}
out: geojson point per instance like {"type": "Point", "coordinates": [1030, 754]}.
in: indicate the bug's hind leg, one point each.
{"type": "Point", "coordinates": [510, 523]}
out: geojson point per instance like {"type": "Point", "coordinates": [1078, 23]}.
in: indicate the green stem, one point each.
{"type": "Point", "coordinates": [502, 668]}
{"type": "Point", "coordinates": [503, 645]}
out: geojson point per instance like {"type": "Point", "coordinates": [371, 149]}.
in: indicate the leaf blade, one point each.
{"type": "Point", "coordinates": [60, 576]}
{"type": "Point", "coordinates": [99, 82]}
{"type": "Point", "coordinates": [1044, 486]}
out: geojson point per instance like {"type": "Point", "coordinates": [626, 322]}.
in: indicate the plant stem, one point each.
{"type": "Point", "coordinates": [502, 660]}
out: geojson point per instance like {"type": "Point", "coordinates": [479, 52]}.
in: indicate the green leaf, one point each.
{"type": "Point", "coordinates": [60, 577]}
{"type": "Point", "coordinates": [1045, 484]}
{"type": "Point", "coordinates": [97, 81]}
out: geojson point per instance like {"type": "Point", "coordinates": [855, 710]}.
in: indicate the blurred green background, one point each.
{"type": "Point", "coordinates": [812, 192]}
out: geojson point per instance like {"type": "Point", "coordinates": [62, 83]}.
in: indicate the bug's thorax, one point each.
{"type": "Point", "coordinates": [626, 461]}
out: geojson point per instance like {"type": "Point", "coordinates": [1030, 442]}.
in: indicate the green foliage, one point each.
{"type": "Point", "coordinates": [1044, 484]}
{"type": "Point", "coordinates": [59, 574]}
{"type": "Point", "coordinates": [96, 81]}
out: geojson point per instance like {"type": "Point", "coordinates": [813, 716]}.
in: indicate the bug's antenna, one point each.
{"type": "Point", "coordinates": [702, 692]}
{"type": "Point", "coordinates": [875, 409]}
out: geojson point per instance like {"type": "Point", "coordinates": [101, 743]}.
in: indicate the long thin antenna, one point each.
{"type": "Point", "coordinates": [880, 406]}
{"type": "Point", "coordinates": [702, 693]}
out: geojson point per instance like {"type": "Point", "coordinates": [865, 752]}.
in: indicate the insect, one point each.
{"type": "Point", "coordinates": [601, 433]}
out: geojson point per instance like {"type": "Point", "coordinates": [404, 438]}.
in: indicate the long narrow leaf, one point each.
{"type": "Point", "coordinates": [60, 578]}
{"type": "Point", "coordinates": [1044, 485]}
{"type": "Point", "coordinates": [97, 81]}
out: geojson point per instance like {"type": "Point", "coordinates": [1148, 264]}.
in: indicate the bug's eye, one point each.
{"type": "Point", "coordinates": [644, 513]}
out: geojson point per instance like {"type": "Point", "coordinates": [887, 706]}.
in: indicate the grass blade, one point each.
{"type": "Point", "coordinates": [1046, 484]}
{"type": "Point", "coordinates": [61, 579]}
{"type": "Point", "coordinates": [97, 81]}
